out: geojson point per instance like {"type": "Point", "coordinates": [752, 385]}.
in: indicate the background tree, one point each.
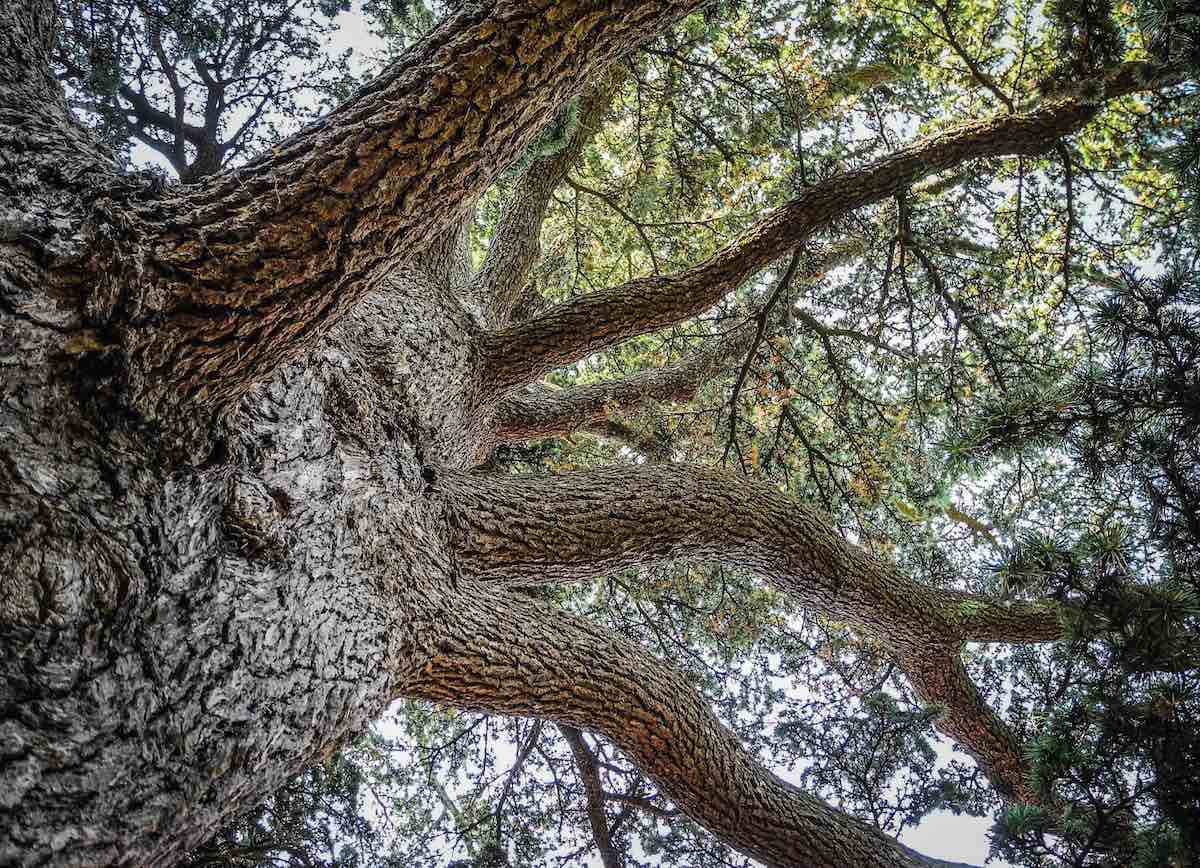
{"type": "Point", "coordinates": [262, 429]}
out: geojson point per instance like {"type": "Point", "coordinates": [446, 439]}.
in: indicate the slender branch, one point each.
{"type": "Point", "coordinates": [638, 226]}
{"type": "Point", "coordinates": [645, 444]}
{"type": "Point", "coordinates": [516, 244]}
{"type": "Point", "coordinates": [543, 412]}
{"type": "Point", "coordinates": [641, 803]}
{"type": "Point", "coordinates": [782, 286]}
{"type": "Point", "coordinates": [589, 775]}
{"type": "Point", "coordinates": [977, 72]}
{"type": "Point", "coordinates": [570, 331]}
{"type": "Point", "coordinates": [522, 755]}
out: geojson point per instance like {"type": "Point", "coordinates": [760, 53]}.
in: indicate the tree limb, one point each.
{"type": "Point", "coordinates": [939, 678]}
{"type": "Point", "coordinates": [516, 243]}
{"type": "Point", "coordinates": [249, 266]}
{"type": "Point", "coordinates": [578, 526]}
{"type": "Point", "coordinates": [508, 654]}
{"type": "Point", "coordinates": [543, 412]}
{"type": "Point", "coordinates": [570, 331]}
{"type": "Point", "coordinates": [589, 776]}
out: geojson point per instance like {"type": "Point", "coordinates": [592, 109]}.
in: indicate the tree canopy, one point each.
{"type": "Point", "coordinates": [983, 373]}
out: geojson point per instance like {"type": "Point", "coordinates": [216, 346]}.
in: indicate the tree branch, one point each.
{"type": "Point", "coordinates": [939, 678]}
{"type": "Point", "coordinates": [589, 776]}
{"type": "Point", "coordinates": [247, 267]}
{"type": "Point", "coordinates": [570, 331]}
{"type": "Point", "coordinates": [507, 654]}
{"type": "Point", "coordinates": [543, 412]}
{"type": "Point", "coordinates": [517, 241]}
{"type": "Point", "coordinates": [579, 526]}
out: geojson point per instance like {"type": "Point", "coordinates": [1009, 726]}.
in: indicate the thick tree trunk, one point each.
{"type": "Point", "coordinates": [235, 420]}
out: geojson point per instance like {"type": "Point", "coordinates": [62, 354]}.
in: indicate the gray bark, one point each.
{"type": "Point", "coordinates": [236, 420]}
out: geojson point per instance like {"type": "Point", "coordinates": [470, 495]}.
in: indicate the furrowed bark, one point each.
{"type": "Point", "coordinates": [939, 678]}
{"type": "Point", "coordinates": [517, 242]}
{"type": "Point", "coordinates": [570, 331]}
{"type": "Point", "coordinates": [577, 526]}
{"type": "Point", "coordinates": [542, 412]}
{"type": "Point", "coordinates": [236, 274]}
{"type": "Point", "coordinates": [507, 654]}
{"type": "Point", "coordinates": [1011, 621]}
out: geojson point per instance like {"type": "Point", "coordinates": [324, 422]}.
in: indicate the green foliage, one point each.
{"type": "Point", "coordinates": [550, 140]}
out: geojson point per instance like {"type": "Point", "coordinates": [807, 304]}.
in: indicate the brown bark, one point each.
{"type": "Point", "coordinates": [544, 412]}
{"type": "Point", "coordinates": [578, 526]}
{"type": "Point", "coordinates": [178, 635]}
{"type": "Point", "coordinates": [510, 655]}
{"type": "Point", "coordinates": [241, 271]}
{"type": "Point", "coordinates": [938, 676]}
{"type": "Point", "coordinates": [575, 329]}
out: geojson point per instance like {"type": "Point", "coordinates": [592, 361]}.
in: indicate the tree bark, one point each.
{"type": "Point", "coordinates": [509, 655]}
{"type": "Point", "coordinates": [578, 526]}
{"type": "Point", "coordinates": [234, 420]}
{"type": "Point", "coordinates": [517, 242]}
{"type": "Point", "coordinates": [240, 272]}
{"type": "Point", "coordinates": [540, 411]}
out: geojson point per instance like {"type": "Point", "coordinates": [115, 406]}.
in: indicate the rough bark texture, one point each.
{"type": "Point", "coordinates": [539, 411]}
{"type": "Point", "coordinates": [236, 420]}
{"type": "Point", "coordinates": [569, 527]}
{"type": "Point", "coordinates": [517, 243]}
{"type": "Point", "coordinates": [509, 655]}
{"type": "Point", "coordinates": [238, 273]}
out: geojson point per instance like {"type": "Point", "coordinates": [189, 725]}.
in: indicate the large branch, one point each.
{"type": "Point", "coordinates": [578, 526]}
{"type": "Point", "coordinates": [242, 270]}
{"type": "Point", "coordinates": [517, 242]}
{"type": "Point", "coordinates": [570, 527]}
{"type": "Point", "coordinates": [572, 330]}
{"type": "Point", "coordinates": [938, 676]}
{"type": "Point", "coordinates": [507, 654]}
{"type": "Point", "coordinates": [543, 412]}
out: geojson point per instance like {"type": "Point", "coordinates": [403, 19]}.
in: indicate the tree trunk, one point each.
{"type": "Point", "coordinates": [235, 420]}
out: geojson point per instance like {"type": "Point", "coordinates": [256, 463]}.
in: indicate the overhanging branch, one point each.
{"type": "Point", "coordinates": [570, 331]}
{"type": "Point", "coordinates": [544, 412]}
{"type": "Point", "coordinates": [579, 526]}
{"type": "Point", "coordinates": [510, 655]}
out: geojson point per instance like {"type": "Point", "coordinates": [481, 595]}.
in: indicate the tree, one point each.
{"type": "Point", "coordinates": [244, 416]}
